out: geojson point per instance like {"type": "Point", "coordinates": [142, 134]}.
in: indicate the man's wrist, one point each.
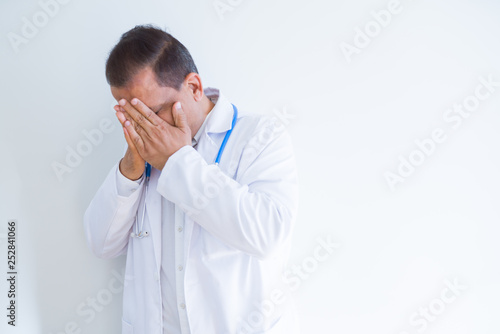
{"type": "Point", "coordinates": [127, 175]}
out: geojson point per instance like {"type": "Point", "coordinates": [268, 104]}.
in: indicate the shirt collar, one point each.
{"type": "Point", "coordinates": [219, 119]}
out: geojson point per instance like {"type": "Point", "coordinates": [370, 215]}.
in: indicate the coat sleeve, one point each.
{"type": "Point", "coordinates": [110, 216]}
{"type": "Point", "coordinates": [254, 213]}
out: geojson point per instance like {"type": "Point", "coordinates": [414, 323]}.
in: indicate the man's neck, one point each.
{"type": "Point", "coordinates": [206, 107]}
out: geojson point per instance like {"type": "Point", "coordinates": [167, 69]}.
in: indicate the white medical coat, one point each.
{"type": "Point", "coordinates": [238, 219]}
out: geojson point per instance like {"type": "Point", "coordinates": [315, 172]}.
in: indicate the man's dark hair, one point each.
{"type": "Point", "coordinates": [146, 45]}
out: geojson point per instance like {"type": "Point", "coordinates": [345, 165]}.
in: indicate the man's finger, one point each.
{"type": "Point", "coordinates": [180, 119]}
{"type": "Point", "coordinates": [130, 143]}
{"type": "Point", "coordinates": [124, 116]}
{"type": "Point", "coordinates": [121, 116]}
{"type": "Point", "coordinates": [135, 138]}
{"type": "Point", "coordinates": [149, 114]}
{"type": "Point", "coordinates": [139, 119]}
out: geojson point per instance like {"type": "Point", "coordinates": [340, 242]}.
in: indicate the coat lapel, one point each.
{"type": "Point", "coordinates": [153, 209]}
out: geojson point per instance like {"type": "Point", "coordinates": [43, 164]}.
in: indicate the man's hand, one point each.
{"type": "Point", "coordinates": [154, 139]}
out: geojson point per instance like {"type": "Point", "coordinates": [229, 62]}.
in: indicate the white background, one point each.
{"type": "Point", "coordinates": [352, 120]}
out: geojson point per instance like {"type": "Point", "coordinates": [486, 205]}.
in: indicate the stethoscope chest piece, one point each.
{"type": "Point", "coordinates": [140, 235]}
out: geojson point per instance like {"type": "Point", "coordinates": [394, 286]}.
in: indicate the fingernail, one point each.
{"type": "Point", "coordinates": [178, 107]}
{"type": "Point", "coordinates": [127, 123]}
{"type": "Point", "coordinates": [122, 102]}
{"type": "Point", "coordinates": [134, 101]}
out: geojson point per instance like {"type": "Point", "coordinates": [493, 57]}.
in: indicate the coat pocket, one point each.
{"type": "Point", "coordinates": [127, 328]}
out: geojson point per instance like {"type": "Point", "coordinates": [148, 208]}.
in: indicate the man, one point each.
{"type": "Point", "coordinates": [206, 243]}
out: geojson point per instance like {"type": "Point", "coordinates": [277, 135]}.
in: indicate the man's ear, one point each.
{"type": "Point", "coordinates": [193, 82]}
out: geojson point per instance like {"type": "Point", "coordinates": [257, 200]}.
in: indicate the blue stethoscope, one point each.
{"type": "Point", "coordinates": [139, 233]}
